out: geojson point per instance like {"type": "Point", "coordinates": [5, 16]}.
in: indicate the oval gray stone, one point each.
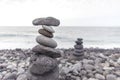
{"type": "Point", "coordinates": [48, 21]}
{"type": "Point", "coordinates": [48, 28]}
{"type": "Point", "coordinates": [42, 65]}
{"type": "Point", "coordinates": [45, 41]}
{"type": "Point", "coordinates": [78, 46]}
{"type": "Point", "coordinates": [54, 53]}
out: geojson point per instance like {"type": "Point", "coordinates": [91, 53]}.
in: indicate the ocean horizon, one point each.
{"type": "Point", "coordinates": [24, 36]}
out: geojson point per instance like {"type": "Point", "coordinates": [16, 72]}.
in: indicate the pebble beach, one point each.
{"type": "Point", "coordinates": [96, 64]}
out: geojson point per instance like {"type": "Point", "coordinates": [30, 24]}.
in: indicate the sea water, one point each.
{"type": "Point", "coordinates": [65, 36]}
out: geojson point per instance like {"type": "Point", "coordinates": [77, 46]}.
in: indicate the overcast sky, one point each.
{"type": "Point", "coordinates": [70, 12]}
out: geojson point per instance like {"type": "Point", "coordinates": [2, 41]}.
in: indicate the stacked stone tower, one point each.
{"type": "Point", "coordinates": [79, 52]}
{"type": "Point", "coordinates": [44, 66]}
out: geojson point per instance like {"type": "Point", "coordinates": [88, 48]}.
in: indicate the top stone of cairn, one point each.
{"type": "Point", "coordinates": [48, 21]}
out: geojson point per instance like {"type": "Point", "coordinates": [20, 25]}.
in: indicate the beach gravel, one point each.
{"type": "Point", "coordinates": [97, 64]}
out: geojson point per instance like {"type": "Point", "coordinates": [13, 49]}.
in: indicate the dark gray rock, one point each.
{"type": "Point", "coordinates": [45, 33]}
{"type": "Point", "coordinates": [42, 65]}
{"type": "Point", "coordinates": [78, 54]}
{"type": "Point", "coordinates": [54, 53]}
{"type": "Point", "coordinates": [45, 41]}
{"type": "Point", "coordinates": [79, 42]}
{"type": "Point", "coordinates": [78, 46]}
{"type": "Point", "coordinates": [79, 39]}
{"type": "Point", "coordinates": [49, 21]}
{"type": "Point", "coordinates": [22, 77]}
{"type": "Point", "coordinates": [52, 75]}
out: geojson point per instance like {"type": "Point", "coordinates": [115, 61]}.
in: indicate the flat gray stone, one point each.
{"type": "Point", "coordinates": [78, 54]}
{"type": "Point", "coordinates": [54, 53]}
{"type": "Point", "coordinates": [48, 28]}
{"type": "Point", "coordinates": [48, 21]}
{"type": "Point", "coordinates": [78, 46]}
{"type": "Point", "coordinates": [45, 41]}
{"type": "Point", "coordinates": [42, 65]}
{"type": "Point", "coordinates": [45, 33]}
{"type": "Point", "coordinates": [79, 50]}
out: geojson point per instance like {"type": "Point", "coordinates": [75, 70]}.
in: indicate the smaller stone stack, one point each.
{"type": "Point", "coordinates": [44, 65]}
{"type": "Point", "coordinates": [78, 51]}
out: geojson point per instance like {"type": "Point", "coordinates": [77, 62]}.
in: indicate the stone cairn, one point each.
{"type": "Point", "coordinates": [44, 65]}
{"type": "Point", "coordinates": [78, 51]}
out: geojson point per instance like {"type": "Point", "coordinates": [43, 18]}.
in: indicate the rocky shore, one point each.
{"type": "Point", "coordinates": [97, 64]}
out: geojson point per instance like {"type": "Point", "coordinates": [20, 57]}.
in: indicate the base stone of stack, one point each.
{"type": "Point", "coordinates": [52, 75]}
{"type": "Point", "coordinates": [45, 33]}
{"type": "Point", "coordinates": [42, 65]}
{"type": "Point", "coordinates": [48, 42]}
{"type": "Point", "coordinates": [54, 53]}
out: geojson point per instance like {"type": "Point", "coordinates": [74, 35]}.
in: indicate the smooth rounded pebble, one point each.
{"type": "Point", "coordinates": [48, 21]}
{"type": "Point", "coordinates": [54, 53]}
{"type": "Point", "coordinates": [45, 33]}
{"type": "Point", "coordinates": [48, 28]}
{"type": "Point", "coordinates": [45, 41]}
